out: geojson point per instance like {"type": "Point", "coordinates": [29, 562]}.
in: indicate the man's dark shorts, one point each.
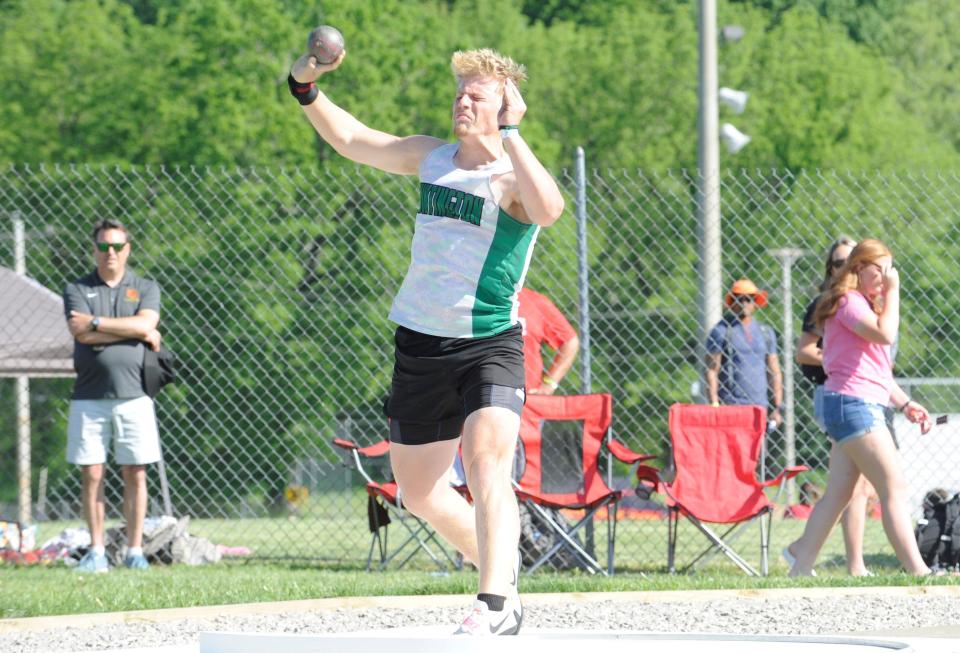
{"type": "Point", "coordinates": [438, 382]}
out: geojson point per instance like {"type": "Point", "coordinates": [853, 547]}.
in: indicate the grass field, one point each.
{"type": "Point", "coordinates": [37, 591]}
{"type": "Point", "coordinates": [641, 544]}
{"type": "Point", "coordinates": [336, 570]}
{"type": "Point", "coordinates": [341, 542]}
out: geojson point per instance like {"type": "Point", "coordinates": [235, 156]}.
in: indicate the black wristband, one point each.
{"type": "Point", "coordinates": [305, 93]}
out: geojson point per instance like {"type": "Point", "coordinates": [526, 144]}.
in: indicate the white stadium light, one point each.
{"type": "Point", "coordinates": [733, 138]}
{"type": "Point", "coordinates": [736, 100]}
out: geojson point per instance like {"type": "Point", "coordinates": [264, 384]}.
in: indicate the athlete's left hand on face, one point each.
{"type": "Point", "coordinates": [513, 107]}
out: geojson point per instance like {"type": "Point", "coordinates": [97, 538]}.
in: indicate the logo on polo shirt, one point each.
{"type": "Point", "coordinates": [132, 295]}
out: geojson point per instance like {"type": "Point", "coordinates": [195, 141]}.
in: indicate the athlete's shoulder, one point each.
{"type": "Point", "coordinates": [440, 149]}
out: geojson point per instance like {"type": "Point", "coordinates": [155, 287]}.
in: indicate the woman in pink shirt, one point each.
{"type": "Point", "coordinates": [859, 313]}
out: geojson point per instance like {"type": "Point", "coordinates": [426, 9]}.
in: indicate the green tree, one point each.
{"type": "Point", "coordinates": [838, 109]}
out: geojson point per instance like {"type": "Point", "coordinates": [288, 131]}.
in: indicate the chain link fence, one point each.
{"type": "Point", "coordinates": [276, 285]}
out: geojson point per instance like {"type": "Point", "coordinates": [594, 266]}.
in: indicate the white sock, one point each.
{"type": "Point", "coordinates": [134, 551]}
{"type": "Point", "coordinates": [99, 550]}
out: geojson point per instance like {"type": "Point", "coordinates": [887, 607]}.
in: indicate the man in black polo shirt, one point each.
{"type": "Point", "coordinates": [112, 314]}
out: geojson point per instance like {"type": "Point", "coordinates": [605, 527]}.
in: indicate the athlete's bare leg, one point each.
{"type": "Point", "coordinates": [423, 473]}
{"type": "Point", "coordinates": [489, 442]}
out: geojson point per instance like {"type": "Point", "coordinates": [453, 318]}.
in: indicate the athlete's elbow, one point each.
{"type": "Point", "coordinates": [551, 212]}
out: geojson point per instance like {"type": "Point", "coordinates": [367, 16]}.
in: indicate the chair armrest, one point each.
{"type": "Point", "coordinates": [625, 454]}
{"type": "Point", "coordinates": [648, 475]}
{"type": "Point", "coordinates": [786, 474]}
{"type": "Point", "coordinates": [356, 452]}
{"type": "Point", "coordinates": [375, 450]}
{"type": "Point", "coordinates": [648, 481]}
{"type": "Point", "coordinates": [345, 444]}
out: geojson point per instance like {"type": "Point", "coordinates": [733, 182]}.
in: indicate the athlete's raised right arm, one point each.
{"type": "Point", "coordinates": [350, 137]}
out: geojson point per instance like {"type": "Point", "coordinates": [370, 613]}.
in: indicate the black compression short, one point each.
{"type": "Point", "coordinates": [438, 382]}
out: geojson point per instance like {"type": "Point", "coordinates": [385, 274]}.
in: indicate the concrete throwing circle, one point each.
{"type": "Point", "coordinates": [436, 639]}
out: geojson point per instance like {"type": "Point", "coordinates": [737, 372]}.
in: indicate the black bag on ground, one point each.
{"type": "Point", "coordinates": [158, 369]}
{"type": "Point", "coordinates": [938, 532]}
{"type": "Point", "coordinates": [537, 537]}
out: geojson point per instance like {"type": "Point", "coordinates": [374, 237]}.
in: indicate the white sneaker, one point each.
{"type": "Point", "coordinates": [517, 567]}
{"type": "Point", "coordinates": [513, 598]}
{"type": "Point", "coordinates": [482, 621]}
{"type": "Point", "coordinates": [791, 561]}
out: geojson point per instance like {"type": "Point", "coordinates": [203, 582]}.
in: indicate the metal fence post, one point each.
{"type": "Point", "coordinates": [24, 500]}
{"type": "Point", "coordinates": [583, 272]}
{"type": "Point", "coordinates": [583, 283]}
{"type": "Point", "coordinates": [787, 257]}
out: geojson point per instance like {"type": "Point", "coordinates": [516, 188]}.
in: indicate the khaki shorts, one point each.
{"type": "Point", "coordinates": [130, 423]}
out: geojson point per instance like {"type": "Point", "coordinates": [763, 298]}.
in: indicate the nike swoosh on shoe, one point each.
{"type": "Point", "coordinates": [494, 629]}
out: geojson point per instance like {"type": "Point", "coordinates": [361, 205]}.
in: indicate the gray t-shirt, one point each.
{"type": "Point", "coordinates": [113, 371]}
{"type": "Point", "coordinates": [743, 370]}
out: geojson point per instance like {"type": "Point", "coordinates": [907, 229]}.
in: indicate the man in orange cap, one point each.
{"type": "Point", "coordinates": [742, 360]}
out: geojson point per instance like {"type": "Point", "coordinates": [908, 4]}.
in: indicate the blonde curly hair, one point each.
{"type": "Point", "coordinates": [486, 63]}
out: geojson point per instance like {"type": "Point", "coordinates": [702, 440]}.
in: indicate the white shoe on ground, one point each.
{"type": "Point", "coordinates": [513, 597]}
{"type": "Point", "coordinates": [791, 561]}
{"type": "Point", "coordinates": [483, 622]}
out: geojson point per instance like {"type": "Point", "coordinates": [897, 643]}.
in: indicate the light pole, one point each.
{"type": "Point", "coordinates": [708, 179]}
{"type": "Point", "coordinates": [787, 256]}
{"type": "Point", "coordinates": [708, 164]}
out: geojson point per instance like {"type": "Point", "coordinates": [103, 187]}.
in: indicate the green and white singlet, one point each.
{"type": "Point", "coordinates": [468, 258]}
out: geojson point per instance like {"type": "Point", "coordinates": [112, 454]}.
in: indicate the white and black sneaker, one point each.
{"type": "Point", "coordinates": [482, 621]}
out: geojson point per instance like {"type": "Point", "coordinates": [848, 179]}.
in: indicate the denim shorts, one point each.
{"type": "Point", "coordinates": [847, 418]}
{"type": "Point", "coordinates": [818, 407]}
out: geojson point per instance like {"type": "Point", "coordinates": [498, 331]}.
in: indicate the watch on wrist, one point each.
{"type": "Point", "coordinates": [95, 324]}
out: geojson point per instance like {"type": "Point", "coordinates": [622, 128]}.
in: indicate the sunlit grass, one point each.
{"type": "Point", "coordinates": [332, 566]}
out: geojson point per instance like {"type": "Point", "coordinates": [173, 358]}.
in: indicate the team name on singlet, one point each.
{"type": "Point", "coordinates": [450, 203]}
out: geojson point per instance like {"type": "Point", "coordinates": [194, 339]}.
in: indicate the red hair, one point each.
{"type": "Point", "coordinates": [867, 252]}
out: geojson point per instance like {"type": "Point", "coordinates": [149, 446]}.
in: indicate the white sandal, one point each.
{"type": "Point", "coordinates": [791, 561]}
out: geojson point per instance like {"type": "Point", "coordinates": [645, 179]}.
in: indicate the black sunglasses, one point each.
{"type": "Point", "coordinates": [837, 263]}
{"type": "Point", "coordinates": [103, 247]}
{"type": "Point", "coordinates": [743, 299]}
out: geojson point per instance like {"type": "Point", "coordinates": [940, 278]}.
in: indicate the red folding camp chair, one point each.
{"type": "Point", "coordinates": [384, 505]}
{"type": "Point", "coordinates": [563, 438]}
{"type": "Point", "coordinates": [715, 452]}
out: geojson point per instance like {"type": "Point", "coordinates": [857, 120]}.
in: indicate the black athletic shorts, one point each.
{"type": "Point", "coordinates": [438, 381]}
